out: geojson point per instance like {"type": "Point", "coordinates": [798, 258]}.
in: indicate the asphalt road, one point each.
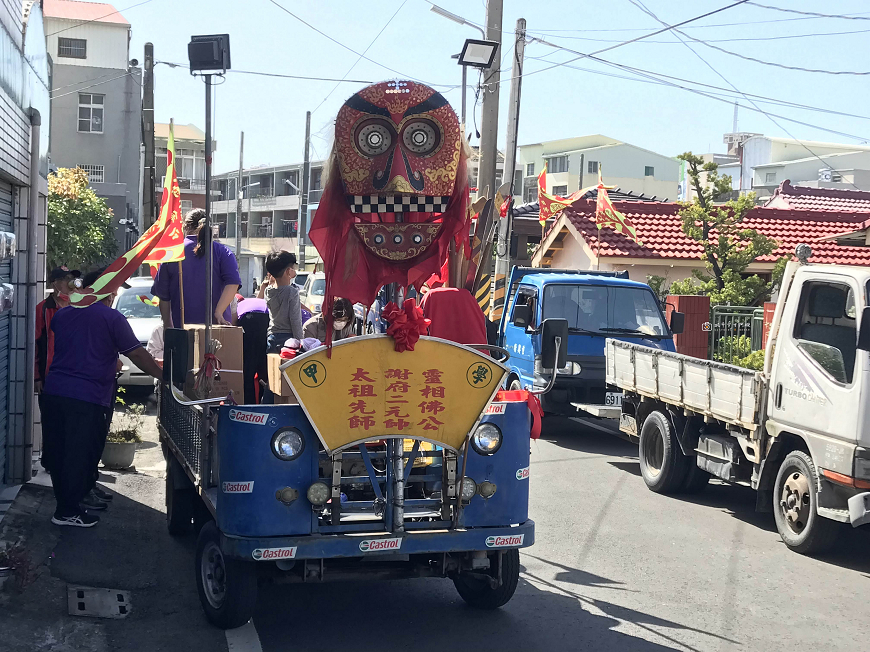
{"type": "Point", "coordinates": [614, 567]}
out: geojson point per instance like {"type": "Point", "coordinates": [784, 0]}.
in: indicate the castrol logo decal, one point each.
{"type": "Point", "coordinates": [505, 542]}
{"type": "Point", "coordinates": [257, 418]}
{"type": "Point", "coordinates": [238, 487]}
{"type": "Point", "coordinates": [379, 545]}
{"type": "Point", "coordinates": [274, 554]}
{"type": "Point", "coordinates": [523, 474]}
{"type": "Point", "coordinates": [496, 408]}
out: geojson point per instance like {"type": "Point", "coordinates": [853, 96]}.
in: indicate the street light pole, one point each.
{"type": "Point", "coordinates": [503, 262]}
{"type": "Point", "coordinates": [239, 201]}
{"type": "Point", "coordinates": [489, 112]}
{"type": "Point", "coordinates": [302, 222]}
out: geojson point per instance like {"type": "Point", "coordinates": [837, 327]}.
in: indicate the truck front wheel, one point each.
{"type": "Point", "coordinates": [795, 503]}
{"type": "Point", "coordinates": [227, 587]}
{"type": "Point", "coordinates": [662, 463]}
{"type": "Point", "coordinates": [479, 592]}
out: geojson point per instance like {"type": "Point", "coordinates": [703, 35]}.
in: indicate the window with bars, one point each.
{"type": "Point", "coordinates": [91, 113]}
{"type": "Point", "coordinates": [186, 205]}
{"type": "Point", "coordinates": [190, 164]}
{"type": "Point", "coordinates": [72, 48]}
{"type": "Point", "coordinates": [96, 173]}
{"type": "Point", "coordinates": [530, 169]}
{"type": "Point", "coordinates": [560, 191]}
{"type": "Point", "coordinates": [592, 167]}
{"type": "Point", "coordinates": [557, 164]}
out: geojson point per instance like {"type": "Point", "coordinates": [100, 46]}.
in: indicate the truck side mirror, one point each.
{"type": "Point", "coordinates": [522, 315]}
{"type": "Point", "coordinates": [864, 330]}
{"type": "Point", "coordinates": [550, 331]}
{"type": "Point", "coordinates": [678, 322]}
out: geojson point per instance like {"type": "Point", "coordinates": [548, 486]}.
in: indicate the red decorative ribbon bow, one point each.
{"type": "Point", "coordinates": [407, 324]}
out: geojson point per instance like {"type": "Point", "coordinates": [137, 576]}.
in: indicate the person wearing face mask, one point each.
{"type": "Point", "coordinates": [342, 322]}
{"type": "Point", "coordinates": [59, 280]}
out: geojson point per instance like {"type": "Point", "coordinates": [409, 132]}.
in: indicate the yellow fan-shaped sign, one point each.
{"type": "Point", "coordinates": [368, 391]}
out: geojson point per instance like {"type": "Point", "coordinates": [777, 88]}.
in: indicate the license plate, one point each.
{"type": "Point", "coordinates": [613, 398]}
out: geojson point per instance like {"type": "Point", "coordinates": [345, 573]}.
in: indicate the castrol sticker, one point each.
{"type": "Point", "coordinates": [241, 416]}
{"type": "Point", "coordinates": [238, 487]}
{"type": "Point", "coordinates": [523, 474]}
{"type": "Point", "coordinates": [505, 542]}
{"type": "Point", "coordinates": [274, 554]}
{"type": "Point", "coordinates": [496, 408]}
{"type": "Point", "coordinates": [379, 545]}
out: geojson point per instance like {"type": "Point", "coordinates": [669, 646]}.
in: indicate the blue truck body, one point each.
{"type": "Point", "coordinates": [597, 305]}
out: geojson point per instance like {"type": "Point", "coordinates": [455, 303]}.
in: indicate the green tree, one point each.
{"type": "Point", "coordinates": [80, 232]}
{"type": "Point", "coordinates": [729, 247]}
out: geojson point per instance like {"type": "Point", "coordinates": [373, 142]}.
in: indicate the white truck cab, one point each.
{"type": "Point", "coordinates": [798, 432]}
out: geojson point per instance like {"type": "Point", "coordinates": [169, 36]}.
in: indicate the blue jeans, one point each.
{"type": "Point", "coordinates": [276, 341]}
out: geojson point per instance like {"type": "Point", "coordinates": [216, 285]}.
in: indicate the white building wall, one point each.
{"type": "Point", "coordinates": [108, 45]}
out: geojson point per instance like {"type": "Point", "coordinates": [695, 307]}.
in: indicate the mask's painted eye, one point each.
{"type": "Point", "coordinates": [421, 137]}
{"type": "Point", "coordinates": [374, 139]}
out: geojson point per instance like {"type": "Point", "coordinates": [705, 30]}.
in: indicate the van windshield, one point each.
{"type": "Point", "coordinates": [605, 309]}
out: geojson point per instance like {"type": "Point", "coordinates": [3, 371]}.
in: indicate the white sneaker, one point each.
{"type": "Point", "coordinates": [76, 520]}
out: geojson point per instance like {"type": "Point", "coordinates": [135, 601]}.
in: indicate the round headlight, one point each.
{"type": "Point", "coordinates": [486, 440]}
{"type": "Point", "coordinates": [469, 488]}
{"type": "Point", "coordinates": [318, 494]}
{"type": "Point", "coordinates": [288, 444]}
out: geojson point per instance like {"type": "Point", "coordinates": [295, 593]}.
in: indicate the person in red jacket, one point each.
{"type": "Point", "coordinates": [59, 281]}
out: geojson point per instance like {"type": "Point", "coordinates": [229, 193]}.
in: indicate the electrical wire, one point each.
{"type": "Point", "coordinates": [272, 74]}
{"type": "Point", "coordinates": [641, 29]}
{"type": "Point", "coordinates": [677, 34]}
{"type": "Point", "coordinates": [724, 40]}
{"type": "Point", "coordinates": [368, 47]}
{"type": "Point", "coordinates": [361, 55]}
{"type": "Point", "coordinates": [812, 14]}
{"type": "Point", "coordinates": [79, 90]}
{"type": "Point", "coordinates": [93, 20]}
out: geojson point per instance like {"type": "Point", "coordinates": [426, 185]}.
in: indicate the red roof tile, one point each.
{"type": "Point", "coordinates": [659, 228]}
{"type": "Point", "coordinates": [98, 12]}
{"type": "Point", "coordinates": [819, 199]}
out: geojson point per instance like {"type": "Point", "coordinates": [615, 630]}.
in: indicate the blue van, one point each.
{"type": "Point", "coordinates": [598, 305]}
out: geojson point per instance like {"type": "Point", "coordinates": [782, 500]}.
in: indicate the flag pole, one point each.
{"type": "Point", "coordinates": [181, 291]}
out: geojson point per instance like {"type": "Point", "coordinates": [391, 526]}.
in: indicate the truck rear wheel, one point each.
{"type": "Point", "coordinates": [227, 587]}
{"type": "Point", "coordinates": [662, 463]}
{"type": "Point", "coordinates": [795, 503]}
{"type": "Point", "coordinates": [479, 593]}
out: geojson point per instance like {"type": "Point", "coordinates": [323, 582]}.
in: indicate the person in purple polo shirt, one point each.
{"type": "Point", "coordinates": [225, 283]}
{"type": "Point", "coordinates": [77, 399]}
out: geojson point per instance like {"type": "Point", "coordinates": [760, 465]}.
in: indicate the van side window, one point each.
{"type": "Point", "coordinates": [527, 296]}
{"type": "Point", "coordinates": [825, 328]}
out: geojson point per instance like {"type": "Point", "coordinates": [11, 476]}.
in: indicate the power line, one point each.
{"type": "Point", "coordinates": [813, 14]}
{"type": "Point", "coordinates": [725, 40]}
{"type": "Point", "coordinates": [368, 47]}
{"type": "Point", "coordinates": [677, 33]}
{"type": "Point", "coordinates": [92, 20]}
{"type": "Point", "coordinates": [79, 90]}
{"type": "Point", "coordinates": [619, 45]}
{"type": "Point", "coordinates": [349, 49]}
{"type": "Point", "coordinates": [273, 74]}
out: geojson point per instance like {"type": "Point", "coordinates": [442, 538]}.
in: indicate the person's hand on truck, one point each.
{"type": "Point", "coordinates": [142, 359]}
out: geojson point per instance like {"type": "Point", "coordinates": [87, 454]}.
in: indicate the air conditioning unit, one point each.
{"type": "Point", "coordinates": [826, 175]}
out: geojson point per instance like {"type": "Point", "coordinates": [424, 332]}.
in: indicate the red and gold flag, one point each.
{"type": "Point", "coordinates": [550, 205]}
{"type": "Point", "coordinates": [170, 247]}
{"type": "Point", "coordinates": [126, 265]}
{"type": "Point", "coordinates": [607, 215]}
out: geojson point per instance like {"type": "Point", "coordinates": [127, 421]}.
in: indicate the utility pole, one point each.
{"type": "Point", "coordinates": [302, 222]}
{"type": "Point", "coordinates": [505, 230]}
{"type": "Point", "coordinates": [489, 112]}
{"type": "Point", "coordinates": [149, 169]}
{"type": "Point", "coordinates": [239, 201]}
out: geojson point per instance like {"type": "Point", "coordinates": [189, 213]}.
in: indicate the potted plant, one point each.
{"type": "Point", "coordinates": [123, 436]}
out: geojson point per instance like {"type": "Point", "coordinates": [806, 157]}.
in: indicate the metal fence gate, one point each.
{"type": "Point", "coordinates": [735, 332]}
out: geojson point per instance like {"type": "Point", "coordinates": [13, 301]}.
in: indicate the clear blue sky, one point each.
{"type": "Point", "coordinates": [557, 103]}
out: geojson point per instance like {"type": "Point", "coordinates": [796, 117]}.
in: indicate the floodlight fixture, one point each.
{"type": "Point", "coordinates": [478, 53]}
{"type": "Point", "coordinates": [209, 53]}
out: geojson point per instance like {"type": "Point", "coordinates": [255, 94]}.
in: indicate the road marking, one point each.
{"type": "Point", "coordinates": [244, 639]}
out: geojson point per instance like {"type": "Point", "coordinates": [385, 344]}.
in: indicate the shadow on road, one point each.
{"type": "Point", "coordinates": [583, 435]}
{"type": "Point", "coordinates": [428, 616]}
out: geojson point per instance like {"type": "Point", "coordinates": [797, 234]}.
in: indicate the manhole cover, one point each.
{"type": "Point", "coordinates": [98, 603]}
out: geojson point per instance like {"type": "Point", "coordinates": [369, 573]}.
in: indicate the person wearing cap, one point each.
{"type": "Point", "coordinates": [225, 279]}
{"type": "Point", "coordinates": [342, 322]}
{"type": "Point", "coordinates": [78, 398]}
{"type": "Point", "coordinates": [59, 280]}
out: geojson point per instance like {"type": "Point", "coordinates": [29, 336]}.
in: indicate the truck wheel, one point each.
{"type": "Point", "coordinates": [662, 463]}
{"type": "Point", "coordinates": [227, 587]}
{"type": "Point", "coordinates": [795, 503]}
{"type": "Point", "coordinates": [478, 592]}
{"type": "Point", "coordinates": [696, 478]}
{"type": "Point", "coordinates": [180, 500]}
{"type": "Point", "coordinates": [515, 385]}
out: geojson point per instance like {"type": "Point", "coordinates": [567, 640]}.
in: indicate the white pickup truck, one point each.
{"type": "Point", "coordinates": [798, 432]}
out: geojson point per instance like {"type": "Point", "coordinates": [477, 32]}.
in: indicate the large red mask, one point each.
{"type": "Point", "coordinates": [396, 190]}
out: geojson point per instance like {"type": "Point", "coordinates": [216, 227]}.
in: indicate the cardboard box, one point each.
{"type": "Point", "coordinates": [231, 352]}
{"type": "Point", "coordinates": [277, 383]}
{"type": "Point", "coordinates": [229, 380]}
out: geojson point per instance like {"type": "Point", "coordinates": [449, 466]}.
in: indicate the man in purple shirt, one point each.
{"type": "Point", "coordinates": [77, 399]}
{"type": "Point", "coordinates": [225, 280]}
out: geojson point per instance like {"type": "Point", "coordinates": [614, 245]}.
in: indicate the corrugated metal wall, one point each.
{"type": "Point", "coordinates": [5, 349]}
